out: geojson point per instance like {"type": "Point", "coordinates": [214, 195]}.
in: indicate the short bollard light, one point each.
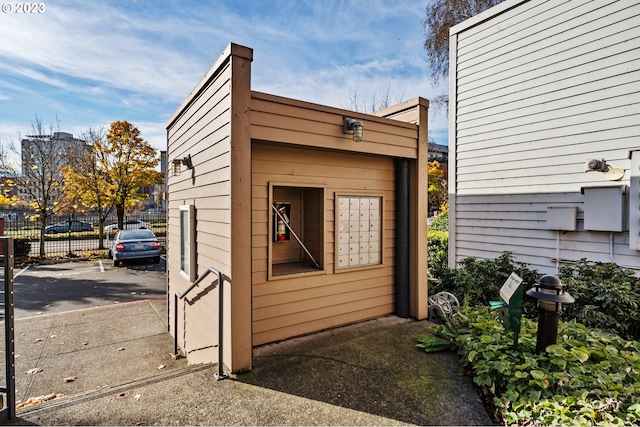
{"type": "Point", "coordinates": [551, 295]}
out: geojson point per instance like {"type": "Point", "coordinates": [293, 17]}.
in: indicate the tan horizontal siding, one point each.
{"type": "Point", "coordinates": [285, 307]}
{"type": "Point", "coordinates": [308, 299]}
{"type": "Point", "coordinates": [283, 122]}
{"type": "Point", "coordinates": [202, 131]}
{"type": "Point", "coordinates": [314, 321]}
{"type": "Point", "coordinates": [212, 103]}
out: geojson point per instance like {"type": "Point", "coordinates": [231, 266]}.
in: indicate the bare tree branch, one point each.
{"type": "Point", "coordinates": [440, 15]}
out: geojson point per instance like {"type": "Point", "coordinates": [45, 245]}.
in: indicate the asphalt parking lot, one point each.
{"type": "Point", "coordinates": [56, 288]}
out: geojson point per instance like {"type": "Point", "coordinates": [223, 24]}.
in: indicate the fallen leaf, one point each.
{"type": "Point", "coordinates": [40, 399]}
{"type": "Point", "coordinates": [137, 397]}
{"type": "Point", "coordinates": [121, 349]}
{"type": "Point", "coordinates": [33, 371]}
{"type": "Point", "coordinates": [70, 379]}
{"type": "Point", "coordinates": [37, 340]}
{"type": "Point", "coordinates": [162, 367]}
{"type": "Point", "coordinates": [53, 336]}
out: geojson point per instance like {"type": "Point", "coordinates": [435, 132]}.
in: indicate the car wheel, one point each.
{"type": "Point", "coordinates": [156, 259]}
{"type": "Point", "coordinates": [116, 262]}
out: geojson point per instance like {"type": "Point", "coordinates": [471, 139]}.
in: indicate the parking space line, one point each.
{"type": "Point", "coordinates": [21, 271]}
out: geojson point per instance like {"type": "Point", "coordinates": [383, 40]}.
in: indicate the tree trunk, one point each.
{"type": "Point", "coordinates": [100, 232]}
{"type": "Point", "coordinates": [120, 214]}
{"type": "Point", "coordinates": [43, 224]}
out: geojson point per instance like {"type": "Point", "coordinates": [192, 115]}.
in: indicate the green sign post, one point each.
{"type": "Point", "coordinates": [511, 306]}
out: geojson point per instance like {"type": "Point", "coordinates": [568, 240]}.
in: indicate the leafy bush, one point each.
{"type": "Point", "coordinates": [607, 297]}
{"type": "Point", "coordinates": [588, 378]}
{"type": "Point", "coordinates": [478, 282]}
{"type": "Point", "coordinates": [21, 247]}
{"type": "Point", "coordinates": [437, 252]}
{"type": "Point", "coordinates": [440, 222]}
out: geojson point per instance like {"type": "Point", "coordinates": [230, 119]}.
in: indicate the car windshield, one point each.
{"type": "Point", "coordinates": [136, 234]}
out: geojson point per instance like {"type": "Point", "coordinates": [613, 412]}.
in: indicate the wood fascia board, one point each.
{"type": "Point", "coordinates": [403, 107]}
{"type": "Point", "coordinates": [239, 296]}
{"type": "Point", "coordinates": [419, 218]}
{"type": "Point", "coordinates": [231, 50]}
{"type": "Point", "coordinates": [330, 110]}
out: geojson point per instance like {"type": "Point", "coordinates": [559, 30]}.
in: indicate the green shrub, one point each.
{"type": "Point", "coordinates": [440, 222]}
{"type": "Point", "coordinates": [437, 252]}
{"type": "Point", "coordinates": [21, 247]}
{"type": "Point", "coordinates": [588, 378]}
{"type": "Point", "coordinates": [607, 297]}
{"type": "Point", "coordinates": [477, 282]}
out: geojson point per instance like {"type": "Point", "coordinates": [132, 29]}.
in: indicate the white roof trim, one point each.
{"type": "Point", "coordinates": [485, 16]}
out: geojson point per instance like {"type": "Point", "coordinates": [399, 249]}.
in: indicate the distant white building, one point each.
{"type": "Point", "coordinates": [44, 156]}
{"type": "Point", "coordinates": [438, 152]}
{"type": "Point", "coordinates": [537, 90]}
{"type": "Point", "coordinates": [58, 142]}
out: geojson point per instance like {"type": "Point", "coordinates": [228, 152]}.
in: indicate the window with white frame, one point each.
{"type": "Point", "coordinates": [359, 231]}
{"type": "Point", "coordinates": [187, 242]}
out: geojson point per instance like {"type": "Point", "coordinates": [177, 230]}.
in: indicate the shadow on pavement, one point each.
{"type": "Point", "coordinates": [373, 367]}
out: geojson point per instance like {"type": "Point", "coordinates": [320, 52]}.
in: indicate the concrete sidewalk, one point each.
{"type": "Point", "coordinates": [112, 366]}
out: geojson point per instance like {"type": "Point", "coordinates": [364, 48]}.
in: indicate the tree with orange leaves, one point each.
{"type": "Point", "coordinates": [119, 165]}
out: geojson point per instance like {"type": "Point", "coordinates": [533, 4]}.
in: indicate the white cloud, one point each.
{"type": "Point", "coordinates": [138, 60]}
{"type": "Point", "coordinates": [97, 43]}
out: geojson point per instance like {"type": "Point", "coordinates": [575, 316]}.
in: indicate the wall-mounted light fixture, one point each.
{"type": "Point", "coordinates": [354, 127]}
{"type": "Point", "coordinates": [610, 173]}
{"type": "Point", "coordinates": [183, 161]}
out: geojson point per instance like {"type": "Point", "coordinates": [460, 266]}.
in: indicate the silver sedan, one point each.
{"type": "Point", "coordinates": [135, 244]}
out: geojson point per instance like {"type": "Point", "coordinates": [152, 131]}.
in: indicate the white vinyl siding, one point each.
{"type": "Point", "coordinates": [537, 89]}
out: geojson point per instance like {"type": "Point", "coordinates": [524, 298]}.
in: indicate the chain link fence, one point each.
{"type": "Point", "coordinates": [74, 235]}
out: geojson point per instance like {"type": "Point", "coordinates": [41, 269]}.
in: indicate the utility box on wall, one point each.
{"type": "Point", "coordinates": [634, 201]}
{"type": "Point", "coordinates": [562, 218]}
{"type": "Point", "coordinates": [605, 208]}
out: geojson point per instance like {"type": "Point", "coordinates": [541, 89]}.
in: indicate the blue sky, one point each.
{"type": "Point", "coordinates": [89, 63]}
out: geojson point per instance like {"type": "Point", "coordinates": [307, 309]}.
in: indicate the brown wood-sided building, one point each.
{"type": "Point", "coordinates": [310, 228]}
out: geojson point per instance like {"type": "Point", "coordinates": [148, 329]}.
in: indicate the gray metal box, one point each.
{"type": "Point", "coordinates": [562, 218]}
{"type": "Point", "coordinates": [605, 208]}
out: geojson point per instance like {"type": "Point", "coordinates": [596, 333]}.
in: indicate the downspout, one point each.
{"type": "Point", "coordinates": [558, 252]}
{"type": "Point", "coordinates": [402, 238]}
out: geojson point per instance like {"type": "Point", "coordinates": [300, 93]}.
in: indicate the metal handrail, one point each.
{"type": "Point", "coordinates": [178, 296]}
